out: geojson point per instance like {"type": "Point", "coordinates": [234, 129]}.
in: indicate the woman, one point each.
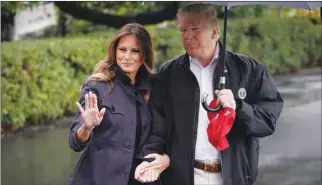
{"type": "Point", "coordinates": [113, 120]}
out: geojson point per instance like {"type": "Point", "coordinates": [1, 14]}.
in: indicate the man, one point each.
{"type": "Point", "coordinates": [178, 87]}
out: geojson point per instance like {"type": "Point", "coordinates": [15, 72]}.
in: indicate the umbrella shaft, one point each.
{"type": "Point", "coordinates": [222, 83]}
{"type": "Point", "coordinates": [225, 29]}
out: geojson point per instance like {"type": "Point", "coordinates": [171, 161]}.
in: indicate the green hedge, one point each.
{"type": "Point", "coordinates": [41, 78]}
{"type": "Point", "coordinates": [283, 45]}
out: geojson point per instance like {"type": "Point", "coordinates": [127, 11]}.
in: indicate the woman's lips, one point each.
{"type": "Point", "coordinates": [127, 64]}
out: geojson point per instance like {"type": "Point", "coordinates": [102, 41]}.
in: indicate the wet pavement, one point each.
{"type": "Point", "coordinates": [299, 89]}
{"type": "Point", "coordinates": [292, 155]}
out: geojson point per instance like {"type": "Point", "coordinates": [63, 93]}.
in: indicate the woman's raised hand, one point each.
{"type": "Point", "coordinates": [91, 115]}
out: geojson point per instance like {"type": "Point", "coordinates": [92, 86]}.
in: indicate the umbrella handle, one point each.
{"type": "Point", "coordinates": [205, 105]}
{"type": "Point", "coordinates": [205, 95]}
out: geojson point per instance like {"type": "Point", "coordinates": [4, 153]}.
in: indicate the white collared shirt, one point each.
{"type": "Point", "coordinates": [204, 150]}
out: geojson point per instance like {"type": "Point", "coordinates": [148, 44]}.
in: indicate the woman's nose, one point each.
{"type": "Point", "coordinates": [127, 56]}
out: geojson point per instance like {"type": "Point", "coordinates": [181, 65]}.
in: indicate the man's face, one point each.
{"type": "Point", "coordinates": [197, 34]}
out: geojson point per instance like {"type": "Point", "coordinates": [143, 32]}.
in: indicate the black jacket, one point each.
{"type": "Point", "coordinates": [176, 96]}
{"type": "Point", "coordinates": [111, 155]}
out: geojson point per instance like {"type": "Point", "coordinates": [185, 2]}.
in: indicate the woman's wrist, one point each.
{"type": "Point", "coordinates": [83, 133]}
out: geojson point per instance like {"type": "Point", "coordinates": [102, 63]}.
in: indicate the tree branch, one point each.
{"type": "Point", "coordinates": [72, 8]}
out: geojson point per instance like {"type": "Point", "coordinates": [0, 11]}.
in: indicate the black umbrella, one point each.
{"type": "Point", "coordinates": [296, 4]}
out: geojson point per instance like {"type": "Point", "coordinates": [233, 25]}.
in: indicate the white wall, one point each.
{"type": "Point", "coordinates": [34, 19]}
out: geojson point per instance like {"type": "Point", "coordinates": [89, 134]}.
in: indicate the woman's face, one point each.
{"type": "Point", "coordinates": [128, 54]}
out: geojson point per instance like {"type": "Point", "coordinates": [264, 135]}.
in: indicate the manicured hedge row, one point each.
{"type": "Point", "coordinates": [41, 78]}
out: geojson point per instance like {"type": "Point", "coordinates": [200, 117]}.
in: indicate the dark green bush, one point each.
{"type": "Point", "coordinates": [283, 45]}
{"type": "Point", "coordinates": [41, 78]}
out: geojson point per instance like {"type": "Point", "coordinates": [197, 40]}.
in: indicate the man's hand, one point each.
{"type": "Point", "coordinates": [226, 98]}
{"type": "Point", "coordinates": [160, 163]}
{"type": "Point", "coordinates": [149, 172]}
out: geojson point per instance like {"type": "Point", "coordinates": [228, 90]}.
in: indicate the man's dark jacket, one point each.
{"type": "Point", "coordinates": [176, 95]}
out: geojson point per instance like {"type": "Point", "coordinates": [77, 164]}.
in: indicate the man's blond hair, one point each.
{"type": "Point", "coordinates": [204, 10]}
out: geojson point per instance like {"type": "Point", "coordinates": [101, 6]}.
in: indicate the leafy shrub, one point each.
{"type": "Point", "coordinates": [41, 78]}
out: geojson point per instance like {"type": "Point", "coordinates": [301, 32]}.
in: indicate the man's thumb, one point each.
{"type": "Point", "coordinates": [216, 92]}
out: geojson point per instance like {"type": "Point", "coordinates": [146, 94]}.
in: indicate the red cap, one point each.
{"type": "Point", "coordinates": [220, 124]}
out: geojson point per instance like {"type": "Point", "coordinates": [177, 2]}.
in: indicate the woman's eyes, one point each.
{"type": "Point", "coordinates": [122, 49]}
{"type": "Point", "coordinates": [133, 50]}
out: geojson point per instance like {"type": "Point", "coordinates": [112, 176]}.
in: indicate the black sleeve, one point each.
{"type": "Point", "coordinates": [260, 118]}
{"type": "Point", "coordinates": [156, 141]}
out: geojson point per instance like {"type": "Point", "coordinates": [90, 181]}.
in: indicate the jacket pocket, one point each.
{"type": "Point", "coordinates": [114, 113]}
{"type": "Point", "coordinates": [112, 125]}
{"type": "Point", "coordinates": [113, 108]}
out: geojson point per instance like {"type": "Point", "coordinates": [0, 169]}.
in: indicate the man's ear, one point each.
{"type": "Point", "coordinates": [215, 32]}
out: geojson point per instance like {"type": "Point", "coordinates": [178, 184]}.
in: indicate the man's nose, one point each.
{"type": "Point", "coordinates": [189, 33]}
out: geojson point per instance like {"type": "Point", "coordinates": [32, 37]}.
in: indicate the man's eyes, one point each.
{"type": "Point", "coordinates": [194, 29]}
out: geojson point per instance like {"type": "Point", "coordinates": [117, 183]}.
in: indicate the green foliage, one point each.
{"type": "Point", "coordinates": [168, 35]}
{"type": "Point", "coordinates": [41, 79]}
{"type": "Point", "coordinates": [115, 7]}
{"type": "Point", "coordinates": [248, 11]}
{"type": "Point", "coordinates": [121, 7]}
{"type": "Point", "coordinates": [11, 7]}
{"type": "Point", "coordinates": [283, 45]}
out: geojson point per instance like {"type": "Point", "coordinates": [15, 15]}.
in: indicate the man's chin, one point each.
{"type": "Point", "coordinates": [192, 53]}
{"type": "Point", "coordinates": [191, 50]}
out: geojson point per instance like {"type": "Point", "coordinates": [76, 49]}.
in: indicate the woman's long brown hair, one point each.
{"type": "Point", "coordinates": [105, 70]}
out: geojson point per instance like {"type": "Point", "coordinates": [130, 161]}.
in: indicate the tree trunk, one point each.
{"type": "Point", "coordinates": [61, 29]}
{"type": "Point", "coordinates": [7, 26]}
